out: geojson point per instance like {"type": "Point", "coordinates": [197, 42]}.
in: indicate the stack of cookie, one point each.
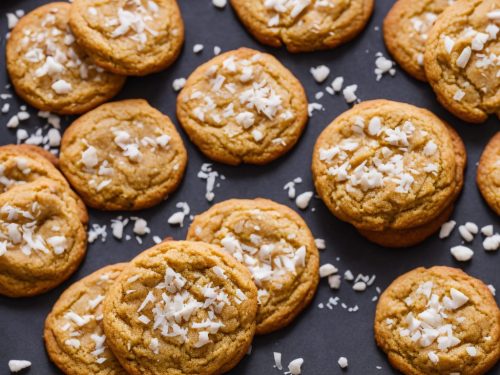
{"type": "Point", "coordinates": [454, 45]}
{"type": "Point", "coordinates": [42, 223]}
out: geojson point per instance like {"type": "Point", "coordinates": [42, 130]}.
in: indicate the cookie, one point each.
{"type": "Point", "coordinates": [123, 155]}
{"type": "Point", "coordinates": [438, 321]}
{"type": "Point", "coordinates": [130, 37]}
{"type": "Point", "coordinates": [49, 70]}
{"type": "Point", "coordinates": [304, 25]}
{"type": "Point", "coordinates": [74, 337]}
{"type": "Point", "coordinates": [406, 29]}
{"type": "Point", "coordinates": [462, 56]}
{"type": "Point", "coordinates": [42, 240]}
{"type": "Point", "coordinates": [181, 308]}
{"type": "Point", "coordinates": [488, 174]}
{"type": "Point", "coordinates": [275, 244]}
{"type": "Point", "coordinates": [243, 107]}
{"type": "Point", "coordinates": [21, 164]}
{"type": "Point", "coordinates": [389, 168]}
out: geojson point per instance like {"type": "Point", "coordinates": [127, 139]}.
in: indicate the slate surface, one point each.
{"type": "Point", "coordinates": [319, 336]}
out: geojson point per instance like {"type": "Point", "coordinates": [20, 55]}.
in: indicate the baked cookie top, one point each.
{"type": "Point", "coordinates": [73, 334]}
{"type": "Point", "coordinates": [488, 173]}
{"type": "Point", "coordinates": [123, 155]}
{"type": "Point", "coordinates": [21, 164]}
{"type": "Point", "coordinates": [131, 37]}
{"type": "Point", "coordinates": [42, 240]}
{"type": "Point", "coordinates": [438, 321]}
{"type": "Point", "coordinates": [49, 70]}
{"type": "Point", "coordinates": [243, 107]}
{"type": "Point", "coordinates": [275, 244]}
{"type": "Point", "coordinates": [304, 25]}
{"type": "Point", "coordinates": [386, 165]}
{"type": "Point", "coordinates": [181, 308]}
{"type": "Point", "coordinates": [462, 59]}
{"type": "Point", "coordinates": [406, 30]}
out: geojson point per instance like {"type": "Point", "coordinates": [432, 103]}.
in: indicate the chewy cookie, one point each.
{"type": "Point", "coordinates": [390, 169]}
{"type": "Point", "coordinates": [304, 25]}
{"type": "Point", "coordinates": [275, 244]}
{"type": "Point", "coordinates": [438, 321]}
{"type": "Point", "coordinates": [462, 58]}
{"type": "Point", "coordinates": [42, 240]}
{"type": "Point", "coordinates": [49, 70]}
{"type": "Point", "coordinates": [406, 29]}
{"type": "Point", "coordinates": [130, 37]}
{"type": "Point", "coordinates": [181, 308]}
{"type": "Point", "coordinates": [243, 107]}
{"type": "Point", "coordinates": [488, 174]}
{"type": "Point", "coordinates": [21, 164]}
{"type": "Point", "coordinates": [124, 155]}
{"type": "Point", "coordinates": [74, 337]}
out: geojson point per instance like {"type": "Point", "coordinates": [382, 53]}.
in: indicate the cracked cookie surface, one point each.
{"type": "Point", "coordinates": [123, 155]}
{"type": "Point", "coordinates": [243, 107]}
{"type": "Point", "coordinates": [438, 321]}
{"type": "Point", "coordinates": [275, 244]}
{"type": "Point", "coordinates": [49, 70]}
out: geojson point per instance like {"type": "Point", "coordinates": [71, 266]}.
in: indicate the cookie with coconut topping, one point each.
{"type": "Point", "coordinates": [49, 70]}
{"type": "Point", "coordinates": [488, 173]}
{"type": "Point", "coordinates": [406, 29]}
{"type": "Point", "coordinates": [243, 107]}
{"type": "Point", "coordinates": [181, 308]}
{"type": "Point", "coordinates": [123, 155]}
{"type": "Point", "coordinates": [21, 164]}
{"type": "Point", "coordinates": [130, 37]}
{"type": "Point", "coordinates": [275, 244]}
{"type": "Point", "coordinates": [390, 169]}
{"type": "Point", "coordinates": [42, 240]}
{"type": "Point", "coordinates": [462, 59]}
{"type": "Point", "coordinates": [438, 321]}
{"type": "Point", "coordinates": [74, 336]}
{"type": "Point", "coordinates": [304, 25]}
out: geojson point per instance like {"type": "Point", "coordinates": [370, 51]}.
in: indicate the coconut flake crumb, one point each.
{"type": "Point", "coordinates": [16, 365]}
{"type": "Point", "coordinates": [303, 200]}
{"type": "Point", "coordinates": [210, 176]}
{"type": "Point", "coordinates": [290, 187]}
{"type": "Point", "coordinates": [343, 363]}
{"type": "Point", "coordinates": [383, 65]}
{"type": "Point", "coordinates": [178, 217]}
{"type": "Point", "coordinates": [277, 361]}
{"type": "Point", "coordinates": [178, 84]}
{"type": "Point", "coordinates": [294, 366]}
{"type": "Point", "coordinates": [350, 93]}
{"type": "Point", "coordinates": [462, 253]}
{"type": "Point", "coordinates": [320, 243]}
{"type": "Point", "coordinates": [197, 48]}
{"type": "Point", "coordinates": [320, 73]}
{"type": "Point", "coordinates": [447, 228]}
{"type": "Point", "coordinates": [327, 269]}
{"type": "Point", "coordinates": [219, 3]}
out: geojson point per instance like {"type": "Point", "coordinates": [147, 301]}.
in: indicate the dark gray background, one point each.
{"type": "Point", "coordinates": [319, 336]}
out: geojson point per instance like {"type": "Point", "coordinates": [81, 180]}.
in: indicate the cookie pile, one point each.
{"type": "Point", "coordinates": [454, 45]}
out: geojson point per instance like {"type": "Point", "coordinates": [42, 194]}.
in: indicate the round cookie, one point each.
{"type": "Point", "coordinates": [181, 308]}
{"type": "Point", "coordinates": [389, 167]}
{"type": "Point", "coordinates": [123, 155]}
{"type": "Point", "coordinates": [275, 244]}
{"type": "Point", "coordinates": [74, 337]}
{"type": "Point", "coordinates": [42, 240]}
{"type": "Point", "coordinates": [243, 107]}
{"type": "Point", "coordinates": [49, 70]}
{"type": "Point", "coordinates": [488, 174]}
{"type": "Point", "coordinates": [20, 164]}
{"type": "Point", "coordinates": [304, 25]}
{"type": "Point", "coordinates": [461, 59]}
{"type": "Point", "coordinates": [129, 37]}
{"type": "Point", "coordinates": [438, 321]}
{"type": "Point", "coordinates": [406, 29]}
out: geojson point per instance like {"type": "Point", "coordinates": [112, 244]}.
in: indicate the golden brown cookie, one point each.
{"type": "Point", "coordinates": [488, 174]}
{"type": "Point", "coordinates": [243, 107]}
{"type": "Point", "coordinates": [406, 29]}
{"type": "Point", "coordinates": [74, 337]}
{"type": "Point", "coordinates": [438, 321]}
{"type": "Point", "coordinates": [20, 164]}
{"type": "Point", "coordinates": [387, 168]}
{"type": "Point", "coordinates": [49, 70]}
{"type": "Point", "coordinates": [304, 25]}
{"type": "Point", "coordinates": [275, 244]}
{"type": "Point", "coordinates": [129, 37]}
{"type": "Point", "coordinates": [123, 155]}
{"type": "Point", "coordinates": [181, 308]}
{"type": "Point", "coordinates": [462, 57]}
{"type": "Point", "coordinates": [42, 240]}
